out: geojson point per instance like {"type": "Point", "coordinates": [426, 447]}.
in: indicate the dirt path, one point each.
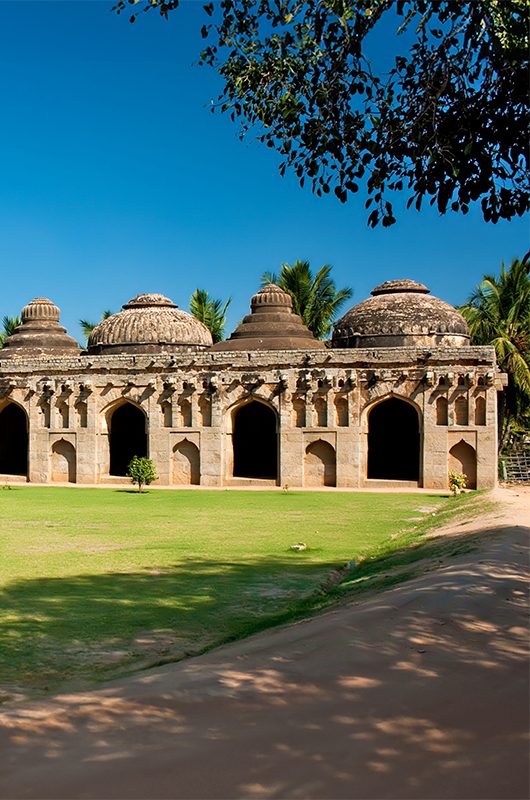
{"type": "Point", "coordinates": [421, 692]}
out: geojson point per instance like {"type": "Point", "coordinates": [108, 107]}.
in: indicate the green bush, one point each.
{"type": "Point", "coordinates": [141, 470]}
{"type": "Point", "coordinates": [457, 482]}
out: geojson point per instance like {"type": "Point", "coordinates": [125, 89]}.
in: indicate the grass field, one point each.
{"type": "Point", "coordinates": [95, 583]}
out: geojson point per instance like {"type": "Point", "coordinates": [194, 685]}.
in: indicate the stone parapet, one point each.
{"type": "Point", "coordinates": [356, 358]}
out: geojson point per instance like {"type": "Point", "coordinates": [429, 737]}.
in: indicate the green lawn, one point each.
{"type": "Point", "coordinates": [96, 582]}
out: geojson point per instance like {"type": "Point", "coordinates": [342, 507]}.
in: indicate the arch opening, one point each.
{"type": "Point", "coordinates": [461, 411]}
{"type": "Point", "coordinates": [442, 411]}
{"type": "Point", "coordinates": [321, 412]}
{"type": "Point", "coordinates": [13, 441]}
{"type": "Point", "coordinates": [393, 441]}
{"type": "Point", "coordinates": [299, 412]}
{"type": "Point", "coordinates": [341, 412]}
{"type": "Point", "coordinates": [320, 464]}
{"type": "Point", "coordinates": [186, 464]}
{"type": "Point", "coordinates": [255, 442]}
{"type": "Point", "coordinates": [63, 462]}
{"type": "Point", "coordinates": [127, 437]}
{"type": "Point", "coordinates": [480, 411]}
{"type": "Point", "coordinates": [463, 458]}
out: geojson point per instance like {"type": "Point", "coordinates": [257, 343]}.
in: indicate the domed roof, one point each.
{"type": "Point", "coordinates": [149, 323]}
{"type": "Point", "coordinates": [271, 325]}
{"type": "Point", "coordinates": [39, 334]}
{"type": "Point", "coordinates": [401, 314]}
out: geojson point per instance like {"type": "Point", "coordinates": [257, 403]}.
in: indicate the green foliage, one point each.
{"type": "Point", "coordinates": [88, 327]}
{"type": "Point", "coordinates": [445, 122]}
{"type": "Point", "coordinates": [141, 470]}
{"type": "Point", "coordinates": [9, 326]}
{"type": "Point", "coordinates": [315, 297]}
{"type": "Point", "coordinates": [94, 589]}
{"type": "Point", "coordinates": [210, 312]}
{"type": "Point", "coordinates": [457, 482]}
{"type": "Point", "coordinates": [498, 314]}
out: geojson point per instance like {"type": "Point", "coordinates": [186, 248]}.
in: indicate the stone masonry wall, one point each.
{"type": "Point", "coordinates": [322, 400]}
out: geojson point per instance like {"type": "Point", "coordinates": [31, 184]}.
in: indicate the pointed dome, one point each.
{"type": "Point", "coordinates": [149, 323]}
{"type": "Point", "coordinates": [39, 334]}
{"type": "Point", "coordinates": [271, 325]}
{"type": "Point", "coordinates": [401, 314]}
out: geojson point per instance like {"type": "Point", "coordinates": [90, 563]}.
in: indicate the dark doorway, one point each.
{"type": "Point", "coordinates": [13, 441]}
{"type": "Point", "coordinates": [393, 441]}
{"type": "Point", "coordinates": [127, 437]}
{"type": "Point", "coordinates": [255, 442]}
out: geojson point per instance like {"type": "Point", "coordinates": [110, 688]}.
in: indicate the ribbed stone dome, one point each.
{"type": "Point", "coordinates": [149, 323]}
{"type": "Point", "coordinates": [401, 314]}
{"type": "Point", "coordinates": [271, 295]}
{"type": "Point", "coordinates": [39, 334]}
{"type": "Point", "coordinates": [40, 309]}
{"type": "Point", "coordinates": [271, 325]}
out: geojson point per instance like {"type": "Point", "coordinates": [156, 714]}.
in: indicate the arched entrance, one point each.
{"type": "Point", "coordinates": [13, 441]}
{"type": "Point", "coordinates": [393, 441]}
{"type": "Point", "coordinates": [186, 464]}
{"type": "Point", "coordinates": [255, 442]}
{"type": "Point", "coordinates": [63, 462]}
{"type": "Point", "coordinates": [319, 464]}
{"type": "Point", "coordinates": [463, 458]}
{"type": "Point", "coordinates": [127, 437]}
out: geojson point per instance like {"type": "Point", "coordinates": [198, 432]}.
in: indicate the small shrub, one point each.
{"type": "Point", "coordinates": [141, 470]}
{"type": "Point", "coordinates": [457, 482]}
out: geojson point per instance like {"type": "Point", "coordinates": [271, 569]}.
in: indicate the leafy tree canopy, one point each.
{"type": "Point", "coordinates": [445, 122]}
{"type": "Point", "coordinates": [315, 297]}
{"type": "Point", "coordinates": [141, 471]}
{"type": "Point", "coordinates": [498, 313]}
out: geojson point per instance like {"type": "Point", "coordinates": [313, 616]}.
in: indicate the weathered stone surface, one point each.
{"type": "Point", "coordinates": [190, 397]}
{"type": "Point", "coordinates": [149, 323]}
{"type": "Point", "coordinates": [401, 314]}
{"type": "Point", "coordinates": [40, 333]}
{"type": "Point", "coordinates": [271, 325]}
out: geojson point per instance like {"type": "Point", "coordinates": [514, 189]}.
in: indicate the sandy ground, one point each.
{"type": "Point", "coordinates": [420, 692]}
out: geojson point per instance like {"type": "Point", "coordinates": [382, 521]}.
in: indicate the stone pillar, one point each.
{"type": "Point", "coordinates": [286, 409]}
{"type": "Point", "coordinates": [211, 456]}
{"type": "Point", "coordinates": [195, 415]}
{"type": "Point", "coordinates": [38, 437]}
{"type": "Point", "coordinates": [54, 411]}
{"type": "Point", "coordinates": [89, 440]}
{"type": "Point", "coordinates": [348, 457]}
{"type": "Point", "coordinates": [158, 436]}
{"type": "Point", "coordinates": [487, 444]}
{"type": "Point", "coordinates": [434, 446]}
{"type": "Point", "coordinates": [175, 408]}
{"type": "Point", "coordinates": [217, 409]}
{"type": "Point", "coordinates": [330, 409]}
{"type": "Point", "coordinates": [309, 409]}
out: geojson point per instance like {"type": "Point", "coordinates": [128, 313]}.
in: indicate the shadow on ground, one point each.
{"type": "Point", "coordinates": [419, 692]}
{"type": "Point", "coordinates": [83, 627]}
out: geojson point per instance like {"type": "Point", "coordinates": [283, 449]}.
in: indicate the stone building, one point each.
{"type": "Point", "coordinates": [400, 398]}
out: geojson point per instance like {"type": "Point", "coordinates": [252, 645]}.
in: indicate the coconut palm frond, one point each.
{"type": "Point", "coordinates": [315, 296]}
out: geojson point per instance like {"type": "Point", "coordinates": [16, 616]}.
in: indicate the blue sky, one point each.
{"type": "Point", "coordinates": [116, 179]}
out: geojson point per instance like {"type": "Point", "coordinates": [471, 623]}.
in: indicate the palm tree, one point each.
{"type": "Point", "coordinates": [211, 312]}
{"type": "Point", "coordinates": [498, 314]}
{"type": "Point", "coordinates": [88, 327]}
{"type": "Point", "coordinates": [9, 326]}
{"type": "Point", "coordinates": [315, 297]}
